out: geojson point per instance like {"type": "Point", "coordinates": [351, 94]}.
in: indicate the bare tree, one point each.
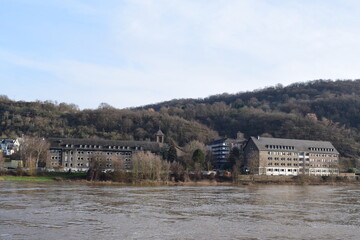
{"type": "Point", "coordinates": [1, 160]}
{"type": "Point", "coordinates": [177, 171]}
{"type": "Point", "coordinates": [97, 165]}
{"type": "Point", "coordinates": [34, 151]}
{"type": "Point", "coordinates": [146, 165]}
{"type": "Point", "coordinates": [194, 145]}
{"type": "Point", "coordinates": [252, 162]}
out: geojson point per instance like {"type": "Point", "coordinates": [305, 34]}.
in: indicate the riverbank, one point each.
{"type": "Point", "coordinates": [44, 177]}
{"type": "Point", "coordinates": [241, 180]}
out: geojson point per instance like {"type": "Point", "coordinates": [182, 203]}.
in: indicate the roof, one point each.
{"type": "Point", "coordinates": [62, 142]}
{"type": "Point", "coordinates": [7, 140]}
{"type": "Point", "coordinates": [226, 140]}
{"type": "Point", "coordinates": [160, 133]}
{"type": "Point", "coordinates": [294, 145]}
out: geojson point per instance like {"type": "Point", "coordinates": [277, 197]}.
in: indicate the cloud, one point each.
{"type": "Point", "coordinates": [150, 51]}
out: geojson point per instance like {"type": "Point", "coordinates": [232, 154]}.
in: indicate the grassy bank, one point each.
{"type": "Point", "coordinates": [28, 178]}
{"type": "Point", "coordinates": [241, 180]}
{"type": "Point", "coordinates": [43, 177]}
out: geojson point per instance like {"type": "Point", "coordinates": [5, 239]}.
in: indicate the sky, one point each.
{"type": "Point", "coordinates": [138, 52]}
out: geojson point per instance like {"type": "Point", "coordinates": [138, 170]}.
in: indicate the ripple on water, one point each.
{"type": "Point", "coordinates": [79, 211]}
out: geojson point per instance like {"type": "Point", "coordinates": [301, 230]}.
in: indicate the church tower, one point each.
{"type": "Point", "coordinates": [160, 137]}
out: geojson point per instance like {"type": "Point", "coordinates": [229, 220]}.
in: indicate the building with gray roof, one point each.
{"type": "Point", "coordinates": [76, 154]}
{"type": "Point", "coordinates": [290, 157]}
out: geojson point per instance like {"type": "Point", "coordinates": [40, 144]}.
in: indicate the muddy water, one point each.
{"type": "Point", "coordinates": [80, 211]}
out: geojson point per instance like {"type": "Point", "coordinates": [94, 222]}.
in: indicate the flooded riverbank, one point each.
{"type": "Point", "coordinates": [88, 211]}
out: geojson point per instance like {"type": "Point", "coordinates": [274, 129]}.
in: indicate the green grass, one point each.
{"type": "Point", "coordinates": [29, 179]}
{"type": "Point", "coordinates": [46, 177]}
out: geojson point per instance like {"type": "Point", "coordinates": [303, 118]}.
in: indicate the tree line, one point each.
{"type": "Point", "coordinates": [317, 110]}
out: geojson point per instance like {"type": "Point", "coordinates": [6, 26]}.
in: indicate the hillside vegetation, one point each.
{"type": "Point", "coordinates": [318, 110]}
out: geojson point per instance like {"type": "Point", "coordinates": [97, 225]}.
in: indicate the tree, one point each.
{"type": "Point", "coordinates": [190, 147]}
{"type": "Point", "coordinates": [164, 151]}
{"type": "Point", "coordinates": [199, 157]}
{"type": "Point", "coordinates": [172, 154]}
{"type": "Point", "coordinates": [234, 156]}
{"type": "Point", "coordinates": [194, 153]}
{"type": "Point", "coordinates": [177, 171]}
{"type": "Point", "coordinates": [148, 166]}
{"type": "Point", "coordinates": [96, 168]}
{"type": "Point", "coordinates": [34, 151]}
{"type": "Point", "coordinates": [1, 160]}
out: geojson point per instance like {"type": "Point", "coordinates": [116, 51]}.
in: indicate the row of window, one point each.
{"type": "Point", "coordinates": [296, 170]}
{"type": "Point", "coordinates": [99, 146]}
{"type": "Point", "coordinates": [322, 165]}
{"type": "Point", "coordinates": [283, 159]}
{"type": "Point", "coordinates": [322, 160]}
{"type": "Point", "coordinates": [322, 155]}
{"type": "Point", "coordinates": [281, 170]}
{"type": "Point", "coordinates": [322, 149]}
{"type": "Point", "coordinates": [280, 147]}
{"type": "Point", "coordinates": [297, 154]}
{"type": "Point", "coordinates": [283, 164]}
{"type": "Point", "coordinates": [98, 153]}
{"type": "Point", "coordinates": [284, 153]}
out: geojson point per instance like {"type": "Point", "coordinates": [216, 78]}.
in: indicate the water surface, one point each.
{"type": "Point", "coordinates": [80, 211]}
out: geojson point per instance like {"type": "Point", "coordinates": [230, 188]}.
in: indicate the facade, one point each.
{"type": "Point", "coordinates": [77, 154]}
{"type": "Point", "coordinates": [220, 149]}
{"type": "Point", "coordinates": [9, 146]}
{"type": "Point", "coordinates": [290, 157]}
{"type": "Point", "coordinates": [13, 164]}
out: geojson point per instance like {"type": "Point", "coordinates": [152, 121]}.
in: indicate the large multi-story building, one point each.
{"type": "Point", "coordinates": [220, 149]}
{"type": "Point", "coordinates": [290, 157]}
{"type": "Point", "coordinates": [76, 154]}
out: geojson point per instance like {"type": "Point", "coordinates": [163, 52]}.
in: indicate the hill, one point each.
{"type": "Point", "coordinates": [47, 119]}
{"type": "Point", "coordinates": [316, 110]}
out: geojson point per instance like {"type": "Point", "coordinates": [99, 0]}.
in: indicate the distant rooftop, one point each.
{"type": "Point", "coordinates": [265, 143]}
{"type": "Point", "coordinates": [104, 144]}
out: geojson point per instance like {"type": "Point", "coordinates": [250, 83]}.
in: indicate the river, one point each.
{"type": "Point", "coordinates": [81, 211]}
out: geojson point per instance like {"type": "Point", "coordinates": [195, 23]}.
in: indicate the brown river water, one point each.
{"type": "Point", "coordinates": [81, 211]}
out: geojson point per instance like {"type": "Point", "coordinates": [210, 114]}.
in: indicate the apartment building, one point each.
{"type": "Point", "coordinates": [290, 157]}
{"type": "Point", "coordinates": [220, 149]}
{"type": "Point", "coordinates": [76, 154]}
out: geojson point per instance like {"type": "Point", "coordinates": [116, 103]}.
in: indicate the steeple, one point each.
{"type": "Point", "coordinates": [160, 136]}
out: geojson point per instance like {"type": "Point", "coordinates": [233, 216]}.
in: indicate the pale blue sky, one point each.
{"type": "Point", "coordinates": [137, 52]}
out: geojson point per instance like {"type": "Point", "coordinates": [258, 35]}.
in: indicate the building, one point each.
{"type": "Point", "coordinates": [9, 146]}
{"type": "Point", "coordinates": [220, 149]}
{"type": "Point", "coordinates": [13, 164]}
{"type": "Point", "coordinates": [76, 154]}
{"type": "Point", "coordinates": [290, 157]}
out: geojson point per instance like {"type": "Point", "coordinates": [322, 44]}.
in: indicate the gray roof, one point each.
{"type": "Point", "coordinates": [226, 140]}
{"type": "Point", "coordinates": [265, 143]}
{"type": "Point", "coordinates": [160, 133]}
{"type": "Point", "coordinates": [62, 142]}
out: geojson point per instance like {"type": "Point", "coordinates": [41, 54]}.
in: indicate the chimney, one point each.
{"type": "Point", "coordinates": [258, 137]}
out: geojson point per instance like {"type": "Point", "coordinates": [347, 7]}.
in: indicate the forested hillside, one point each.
{"type": "Point", "coordinates": [317, 110]}
{"type": "Point", "coordinates": [46, 119]}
